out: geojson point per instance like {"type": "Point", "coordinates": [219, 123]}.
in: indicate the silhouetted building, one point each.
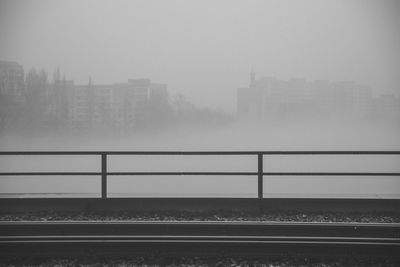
{"type": "Point", "coordinates": [122, 106]}
{"type": "Point", "coordinates": [12, 80]}
{"type": "Point", "coordinates": [63, 91]}
{"type": "Point", "coordinates": [270, 98]}
{"type": "Point", "coordinates": [386, 106]}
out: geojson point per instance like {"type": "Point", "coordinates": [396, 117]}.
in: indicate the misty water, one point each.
{"type": "Point", "coordinates": [242, 137]}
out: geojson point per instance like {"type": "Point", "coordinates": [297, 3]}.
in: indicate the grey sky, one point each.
{"type": "Point", "coordinates": [205, 49]}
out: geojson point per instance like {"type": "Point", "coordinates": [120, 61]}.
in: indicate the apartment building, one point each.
{"type": "Point", "coordinates": [12, 80]}
{"type": "Point", "coordinates": [121, 106]}
{"type": "Point", "coordinates": [271, 98]}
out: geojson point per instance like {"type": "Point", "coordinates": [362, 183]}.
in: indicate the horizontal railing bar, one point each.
{"type": "Point", "coordinates": [181, 153]}
{"type": "Point", "coordinates": [209, 173]}
{"type": "Point", "coordinates": [333, 173]}
{"type": "Point", "coordinates": [47, 173]}
{"type": "Point", "coordinates": [125, 173]}
{"type": "Point", "coordinates": [200, 152]}
{"type": "Point", "coordinates": [182, 173]}
{"type": "Point", "coordinates": [50, 153]}
{"type": "Point", "coordinates": [128, 153]}
{"type": "Point", "coordinates": [330, 152]}
{"type": "Point", "coordinates": [255, 153]}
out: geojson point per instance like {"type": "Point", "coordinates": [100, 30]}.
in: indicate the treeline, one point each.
{"type": "Point", "coordinates": [46, 106]}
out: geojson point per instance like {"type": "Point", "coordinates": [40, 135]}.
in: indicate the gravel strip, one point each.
{"type": "Point", "coordinates": [217, 215]}
{"type": "Point", "coordinates": [199, 261]}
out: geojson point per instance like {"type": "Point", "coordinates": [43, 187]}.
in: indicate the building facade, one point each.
{"type": "Point", "coordinates": [12, 80]}
{"type": "Point", "coordinates": [121, 106]}
{"type": "Point", "coordinates": [271, 98]}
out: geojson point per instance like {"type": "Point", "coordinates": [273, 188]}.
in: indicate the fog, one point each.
{"type": "Point", "coordinates": [205, 49]}
{"type": "Point", "coordinates": [208, 75]}
{"type": "Point", "coordinates": [237, 136]}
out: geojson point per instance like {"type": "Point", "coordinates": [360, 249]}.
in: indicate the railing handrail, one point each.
{"type": "Point", "coordinates": [259, 173]}
{"type": "Point", "coordinates": [211, 152]}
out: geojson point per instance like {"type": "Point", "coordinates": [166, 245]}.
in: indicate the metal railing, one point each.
{"type": "Point", "coordinates": [259, 173]}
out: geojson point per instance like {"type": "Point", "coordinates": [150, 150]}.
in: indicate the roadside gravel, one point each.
{"type": "Point", "coordinates": [199, 261]}
{"type": "Point", "coordinates": [216, 215]}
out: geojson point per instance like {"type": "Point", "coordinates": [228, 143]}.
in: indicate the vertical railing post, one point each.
{"type": "Point", "coordinates": [260, 175]}
{"type": "Point", "coordinates": [103, 175]}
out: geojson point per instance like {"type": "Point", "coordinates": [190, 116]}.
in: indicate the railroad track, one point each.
{"type": "Point", "coordinates": [121, 238]}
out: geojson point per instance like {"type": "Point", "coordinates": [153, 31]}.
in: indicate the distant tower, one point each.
{"type": "Point", "coordinates": [56, 75]}
{"type": "Point", "coordinates": [90, 103]}
{"type": "Point", "coordinates": [252, 77]}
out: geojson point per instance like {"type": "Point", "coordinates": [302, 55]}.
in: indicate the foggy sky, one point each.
{"type": "Point", "coordinates": [205, 49]}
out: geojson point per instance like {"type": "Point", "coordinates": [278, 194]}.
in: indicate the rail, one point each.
{"type": "Point", "coordinates": [122, 238]}
{"type": "Point", "coordinates": [259, 173]}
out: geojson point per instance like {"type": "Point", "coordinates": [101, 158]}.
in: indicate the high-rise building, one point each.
{"type": "Point", "coordinates": [121, 106]}
{"type": "Point", "coordinates": [386, 106]}
{"type": "Point", "coordinates": [12, 80]}
{"type": "Point", "coordinates": [63, 95]}
{"type": "Point", "coordinates": [270, 98]}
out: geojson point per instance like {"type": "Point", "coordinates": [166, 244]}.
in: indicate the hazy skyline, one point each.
{"type": "Point", "coordinates": [205, 49]}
